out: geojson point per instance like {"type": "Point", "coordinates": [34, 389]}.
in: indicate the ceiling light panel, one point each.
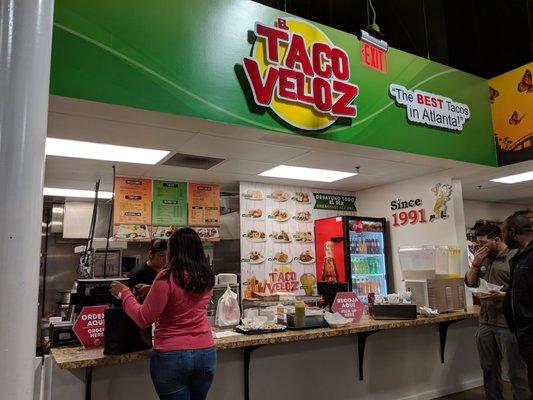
{"type": "Point", "coordinates": [104, 152]}
{"type": "Point", "coordinates": [306, 174]}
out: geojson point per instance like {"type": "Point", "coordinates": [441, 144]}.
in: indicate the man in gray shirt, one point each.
{"type": "Point", "coordinates": [495, 342]}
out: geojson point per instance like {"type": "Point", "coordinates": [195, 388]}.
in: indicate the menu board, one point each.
{"type": "Point", "coordinates": [204, 204]}
{"type": "Point", "coordinates": [169, 207]}
{"type": "Point", "coordinates": [133, 201]}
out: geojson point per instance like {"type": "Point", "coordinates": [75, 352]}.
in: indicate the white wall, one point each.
{"type": "Point", "coordinates": [375, 202]}
{"type": "Point", "coordinates": [475, 210]}
{"type": "Point", "coordinates": [399, 364]}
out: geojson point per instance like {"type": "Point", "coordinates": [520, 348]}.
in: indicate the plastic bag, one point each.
{"type": "Point", "coordinates": [228, 310]}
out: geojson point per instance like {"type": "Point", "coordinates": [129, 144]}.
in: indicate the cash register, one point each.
{"type": "Point", "coordinates": [85, 292]}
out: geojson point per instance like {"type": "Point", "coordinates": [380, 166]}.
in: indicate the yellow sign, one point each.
{"type": "Point", "coordinates": [511, 96]}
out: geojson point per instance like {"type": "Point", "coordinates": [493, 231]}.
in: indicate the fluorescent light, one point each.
{"type": "Point", "coordinates": [106, 152]}
{"type": "Point", "coordinates": [526, 176]}
{"type": "Point", "coordinates": [89, 194]}
{"type": "Point", "coordinates": [306, 174]}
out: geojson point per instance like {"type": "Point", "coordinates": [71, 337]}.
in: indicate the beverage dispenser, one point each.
{"type": "Point", "coordinates": [433, 275]}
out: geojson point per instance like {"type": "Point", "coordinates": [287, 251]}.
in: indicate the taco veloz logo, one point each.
{"type": "Point", "coordinates": [297, 72]}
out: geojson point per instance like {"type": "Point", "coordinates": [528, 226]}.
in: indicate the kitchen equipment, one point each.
{"type": "Point", "coordinates": [64, 310]}
{"type": "Point", "coordinates": [432, 275]}
{"type": "Point", "coordinates": [129, 262]}
{"type": "Point", "coordinates": [353, 250]}
{"type": "Point", "coordinates": [444, 294]}
{"type": "Point", "coordinates": [430, 261]}
{"type": "Point", "coordinates": [61, 334]}
{"type": "Point", "coordinates": [112, 267]}
{"type": "Point", "coordinates": [223, 279]}
{"type": "Point", "coordinates": [64, 296]}
{"type": "Point", "coordinates": [310, 322]}
{"type": "Point", "coordinates": [93, 292]}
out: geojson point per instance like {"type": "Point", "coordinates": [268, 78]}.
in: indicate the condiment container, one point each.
{"type": "Point", "coordinates": [299, 311]}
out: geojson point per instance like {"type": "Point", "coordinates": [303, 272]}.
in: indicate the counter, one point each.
{"type": "Point", "coordinates": [77, 357]}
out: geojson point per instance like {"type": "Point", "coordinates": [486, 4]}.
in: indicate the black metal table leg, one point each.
{"type": "Point", "coordinates": [361, 343]}
{"type": "Point", "coordinates": [88, 383]}
{"type": "Point", "coordinates": [443, 334]}
{"type": "Point", "coordinates": [247, 354]}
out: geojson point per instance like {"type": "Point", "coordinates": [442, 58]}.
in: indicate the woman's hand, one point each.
{"type": "Point", "coordinates": [141, 291]}
{"type": "Point", "coordinates": [116, 288]}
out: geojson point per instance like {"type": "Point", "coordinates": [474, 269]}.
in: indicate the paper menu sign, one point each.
{"type": "Point", "coordinates": [169, 207]}
{"type": "Point", "coordinates": [203, 204]}
{"type": "Point", "coordinates": [133, 201]}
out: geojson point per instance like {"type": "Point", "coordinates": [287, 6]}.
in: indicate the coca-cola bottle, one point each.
{"type": "Point", "coordinates": [329, 273]}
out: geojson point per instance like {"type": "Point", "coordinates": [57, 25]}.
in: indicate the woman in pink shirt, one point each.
{"type": "Point", "coordinates": [183, 359]}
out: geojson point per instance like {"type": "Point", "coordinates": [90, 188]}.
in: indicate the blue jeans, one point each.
{"type": "Point", "coordinates": [183, 374]}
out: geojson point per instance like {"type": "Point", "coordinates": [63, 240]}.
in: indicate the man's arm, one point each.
{"type": "Point", "coordinates": [472, 277]}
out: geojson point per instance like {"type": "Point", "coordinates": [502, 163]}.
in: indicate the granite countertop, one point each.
{"type": "Point", "coordinates": [77, 357]}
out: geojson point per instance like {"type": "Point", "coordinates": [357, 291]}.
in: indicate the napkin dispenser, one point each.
{"type": "Point", "coordinates": [442, 294]}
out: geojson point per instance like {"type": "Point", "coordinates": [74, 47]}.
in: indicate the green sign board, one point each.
{"type": "Point", "coordinates": [169, 203]}
{"type": "Point", "coordinates": [335, 202]}
{"type": "Point", "coordinates": [239, 62]}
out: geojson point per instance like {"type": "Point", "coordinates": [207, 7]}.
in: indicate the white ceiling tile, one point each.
{"type": "Point", "coordinates": [60, 171]}
{"type": "Point", "coordinates": [90, 129]}
{"type": "Point", "coordinates": [369, 166]}
{"type": "Point", "coordinates": [212, 146]}
{"type": "Point", "coordinates": [240, 166]}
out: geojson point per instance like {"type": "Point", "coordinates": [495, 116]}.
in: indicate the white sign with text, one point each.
{"type": "Point", "coordinates": [431, 109]}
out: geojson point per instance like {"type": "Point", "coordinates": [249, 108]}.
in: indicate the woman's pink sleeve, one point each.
{"type": "Point", "coordinates": [146, 314]}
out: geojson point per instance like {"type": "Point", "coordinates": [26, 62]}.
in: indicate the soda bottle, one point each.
{"type": "Point", "coordinates": [365, 286]}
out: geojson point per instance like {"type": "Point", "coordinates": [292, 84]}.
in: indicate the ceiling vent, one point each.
{"type": "Point", "coordinates": [191, 161]}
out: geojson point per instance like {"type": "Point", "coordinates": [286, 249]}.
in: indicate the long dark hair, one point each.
{"type": "Point", "coordinates": [188, 263]}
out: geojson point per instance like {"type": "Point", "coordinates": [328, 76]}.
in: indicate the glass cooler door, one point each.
{"type": "Point", "coordinates": [367, 256]}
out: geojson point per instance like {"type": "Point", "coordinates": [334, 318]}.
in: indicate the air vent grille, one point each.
{"type": "Point", "coordinates": [192, 161]}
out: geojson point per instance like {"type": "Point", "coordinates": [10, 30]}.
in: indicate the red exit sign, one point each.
{"type": "Point", "coordinates": [374, 57]}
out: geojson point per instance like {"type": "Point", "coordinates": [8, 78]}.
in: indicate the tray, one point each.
{"type": "Point", "coordinates": [259, 331]}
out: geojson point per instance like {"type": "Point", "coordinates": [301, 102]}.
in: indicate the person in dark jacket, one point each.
{"type": "Point", "coordinates": [142, 276]}
{"type": "Point", "coordinates": [518, 234]}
